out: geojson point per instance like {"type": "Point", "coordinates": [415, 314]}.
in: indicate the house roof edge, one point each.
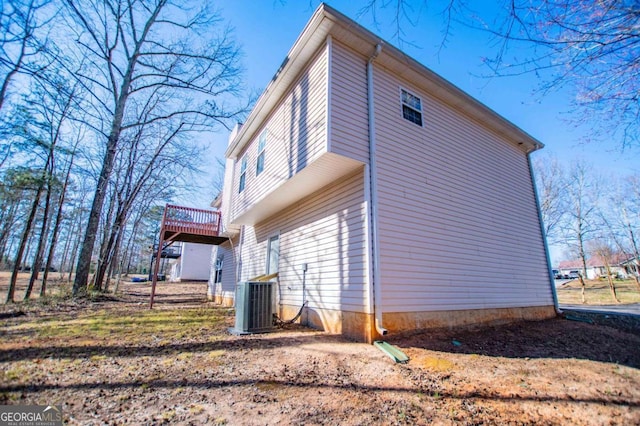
{"type": "Point", "coordinates": [303, 49]}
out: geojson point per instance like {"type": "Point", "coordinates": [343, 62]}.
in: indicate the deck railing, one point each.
{"type": "Point", "coordinates": [189, 220]}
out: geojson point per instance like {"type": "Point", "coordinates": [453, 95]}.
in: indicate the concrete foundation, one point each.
{"type": "Point", "coordinates": [361, 327]}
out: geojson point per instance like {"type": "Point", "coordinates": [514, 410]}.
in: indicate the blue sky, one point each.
{"type": "Point", "coordinates": [266, 30]}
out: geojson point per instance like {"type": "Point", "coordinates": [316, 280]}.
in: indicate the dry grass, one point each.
{"type": "Point", "coordinates": [57, 285]}
{"type": "Point", "coordinates": [113, 361]}
{"type": "Point", "coordinates": [597, 292]}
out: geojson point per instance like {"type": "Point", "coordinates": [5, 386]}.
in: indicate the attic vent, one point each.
{"type": "Point", "coordinates": [254, 307]}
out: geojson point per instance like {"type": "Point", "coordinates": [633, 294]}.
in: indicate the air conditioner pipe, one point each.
{"type": "Point", "coordinates": [373, 205]}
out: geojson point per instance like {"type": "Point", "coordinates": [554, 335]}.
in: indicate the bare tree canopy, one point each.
{"type": "Point", "coordinates": [552, 184]}
{"type": "Point", "coordinates": [160, 63]}
{"type": "Point", "coordinates": [589, 47]}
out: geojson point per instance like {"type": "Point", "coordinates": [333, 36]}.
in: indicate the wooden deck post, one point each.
{"type": "Point", "coordinates": [154, 277]}
{"type": "Point", "coordinates": [156, 265]}
{"type": "Point", "coordinates": [184, 224]}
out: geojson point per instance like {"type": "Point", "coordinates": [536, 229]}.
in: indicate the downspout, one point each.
{"type": "Point", "coordinates": [373, 206]}
{"type": "Point", "coordinates": [543, 234]}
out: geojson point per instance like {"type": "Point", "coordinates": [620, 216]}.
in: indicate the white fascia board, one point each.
{"type": "Point", "coordinates": [325, 22]}
{"type": "Point", "coordinates": [311, 38]}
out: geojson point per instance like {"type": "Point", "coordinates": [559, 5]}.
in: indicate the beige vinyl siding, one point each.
{"type": "Point", "coordinates": [252, 254]}
{"type": "Point", "coordinates": [325, 231]}
{"type": "Point", "coordinates": [296, 137]}
{"type": "Point", "coordinates": [458, 222]}
{"type": "Point", "coordinates": [349, 116]}
{"type": "Point", "coordinates": [227, 287]}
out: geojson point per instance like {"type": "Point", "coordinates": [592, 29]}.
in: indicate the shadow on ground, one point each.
{"type": "Point", "coordinates": [555, 338]}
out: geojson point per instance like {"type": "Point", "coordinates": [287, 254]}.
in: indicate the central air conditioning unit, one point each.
{"type": "Point", "coordinates": [254, 307]}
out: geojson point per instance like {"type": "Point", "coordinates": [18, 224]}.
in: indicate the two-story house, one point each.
{"type": "Point", "coordinates": [386, 198]}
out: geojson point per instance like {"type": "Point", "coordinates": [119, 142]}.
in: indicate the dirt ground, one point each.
{"type": "Point", "coordinates": [113, 361]}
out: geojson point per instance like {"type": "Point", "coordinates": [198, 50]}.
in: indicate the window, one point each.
{"type": "Point", "coordinates": [273, 254]}
{"type": "Point", "coordinates": [243, 174]}
{"type": "Point", "coordinates": [218, 275]}
{"type": "Point", "coordinates": [411, 107]}
{"type": "Point", "coordinates": [262, 143]}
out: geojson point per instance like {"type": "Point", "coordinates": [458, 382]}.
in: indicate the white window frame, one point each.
{"type": "Point", "coordinates": [271, 238]}
{"type": "Point", "coordinates": [218, 269]}
{"type": "Point", "coordinates": [406, 105]}
{"type": "Point", "coordinates": [262, 145]}
{"type": "Point", "coordinates": [243, 174]}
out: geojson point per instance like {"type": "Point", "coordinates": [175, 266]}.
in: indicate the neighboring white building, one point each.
{"type": "Point", "coordinates": [385, 197]}
{"type": "Point", "coordinates": [619, 266]}
{"type": "Point", "coordinates": [194, 263]}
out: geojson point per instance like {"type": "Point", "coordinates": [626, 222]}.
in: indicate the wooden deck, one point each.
{"type": "Point", "coordinates": [191, 225]}
{"type": "Point", "coordinates": [186, 224]}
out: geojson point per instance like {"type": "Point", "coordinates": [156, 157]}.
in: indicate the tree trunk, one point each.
{"type": "Point", "coordinates": [27, 251]}
{"type": "Point", "coordinates": [65, 254]}
{"type": "Point", "coordinates": [74, 249]}
{"type": "Point", "coordinates": [7, 225]}
{"type": "Point", "coordinates": [106, 244]}
{"type": "Point", "coordinates": [56, 228]}
{"type": "Point", "coordinates": [636, 255]}
{"type": "Point", "coordinates": [105, 259]}
{"type": "Point", "coordinates": [584, 269]}
{"type": "Point", "coordinates": [84, 260]}
{"type": "Point", "coordinates": [21, 248]}
{"type": "Point", "coordinates": [44, 231]}
{"type": "Point", "coordinates": [115, 257]}
{"type": "Point", "coordinates": [612, 286]}
{"type": "Point", "coordinates": [582, 287]}
{"type": "Point", "coordinates": [71, 244]}
{"type": "Point", "coordinates": [637, 280]}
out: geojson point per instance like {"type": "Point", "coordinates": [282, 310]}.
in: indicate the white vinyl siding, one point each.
{"type": "Point", "coordinates": [458, 223]}
{"type": "Point", "coordinates": [349, 125]}
{"type": "Point", "coordinates": [252, 254]}
{"type": "Point", "coordinates": [295, 132]}
{"type": "Point", "coordinates": [194, 261]}
{"type": "Point", "coordinates": [326, 232]}
{"type": "Point", "coordinates": [227, 286]}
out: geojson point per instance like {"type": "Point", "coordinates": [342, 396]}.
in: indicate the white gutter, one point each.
{"type": "Point", "coordinates": [373, 206]}
{"type": "Point", "coordinates": [543, 235]}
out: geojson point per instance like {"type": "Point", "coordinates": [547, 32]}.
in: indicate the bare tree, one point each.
{"type": "Point", "coordinates": [20, 44]}
{"type": "Point", "coordinates": [53, 103]}
{"type": "Point", "coordinates": [605, 250]}
{"type": "Point", "coordinates": [153, 157]}
{"type": "Point", "coordinates": [58, 219]}
{"type": "Point", "coordinates": [217, 180]}
{"type": "Point", "coordinates": [628, 207]}
{"type": "Point", "coordinates": [36, 180]}
{"type": "Point", "coordinates": [141, 52]}
{"type": "Point", "coordinates": [590, 47]}
{"type": "Point", "coordinates": [24, 55]}
{"type": "Point", "coordinates": [582, 214]}
{"type": "Point", "coordinates": [14, 188]}
{"type": "Point", "coordinates": [551, 183]}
